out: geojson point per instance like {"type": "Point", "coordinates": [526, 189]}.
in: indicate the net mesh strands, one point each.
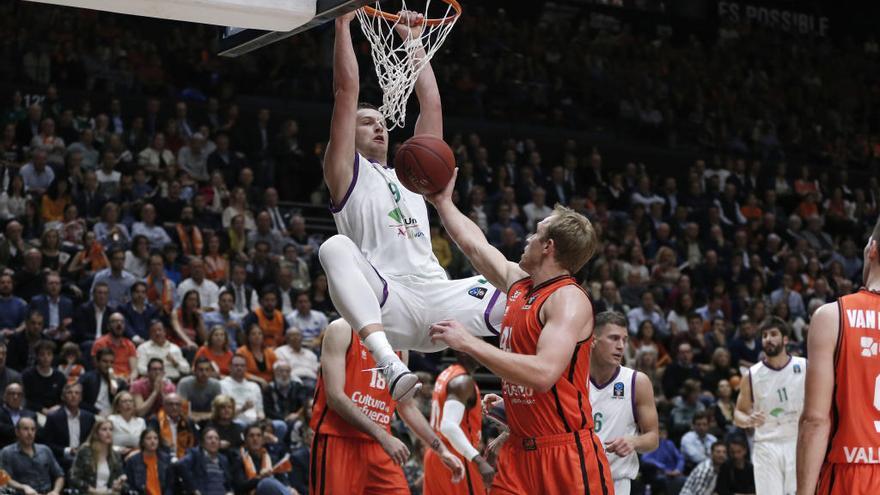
{"type": "Point", "coordinates": [399, 60]}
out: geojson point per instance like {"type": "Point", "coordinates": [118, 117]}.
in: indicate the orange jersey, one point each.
{"type": "Point", "coordinates": [472, 422]}
{"type": "Point", "coordinates": [365, 388]}
{"type": "Point", "coordinates": [855, 427]}
{"type": "Point", "coordinates": [566, 406]}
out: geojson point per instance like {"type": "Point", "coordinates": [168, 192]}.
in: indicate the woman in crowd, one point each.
{"type": "Point", "coordinates": [665, 271]}
{"type": "Point", "coordinates": [69, 365]}
{"type": "Point", "coordinates": [89, 260]}
{"type": "Point", "coordinates": [187, 322]}
{"type": "Point", "coordinates": [97, 468]}
{"type": "Point", "coordinates": [50, 245]}
{"type": "Point", "coordinates": [109, 231]}
{"type": "Point", "coordinates": [216, 350]}
{"type": "Point", "coordinates": [222, 415]}
{"type": "Point", "coordinates": [127, 427]}
{"type": "Point", "coordinates": [12, 202]}
{"type": "Point", "coordinates": [320, 295]}
{"type": "Point", "coordinates": [646, 362]}
{"type": "Point", "coordinates": [725, 403]}
{"type": "Point", "coordinates": [677, 318]}
{"type": "Point", "coordinates": [718, 369]}
{"type": "Point", "coordinates": [150, 471]}
{"type": "Point", "coordinates": [57, 198]}
{"type": "Point", "coordinates": [216, 264]}
{"type": "Point", "coordinates": [137, 259]}
{"type": "Point", "coordinates": [260, 359]}
{"type": "Point", "coordinates": [237, 239]}
{"type": "Point", "coordinates": [646, 337]}
{"type": "Point", "coordinates": [238, 206]}
{"type": "Point", "coordinates": [72, 227]}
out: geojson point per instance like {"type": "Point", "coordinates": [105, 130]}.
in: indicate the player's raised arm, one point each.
{"type": "Point", "coordinates": [565, 314]}
{"type": "Point", "coordinates": [339, 158]}
{"type": "Point", "coordinates": [337, 338]}
{"type": "Point", "coordinates": [815, 423]}
{"type": "Point", "coordinates": [486, 259]}
{"type": "Point", "coordinates": [430, 119]}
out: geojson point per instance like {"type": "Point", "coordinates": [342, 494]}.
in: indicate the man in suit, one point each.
{"type": "Point", "coordinates": [57, 310]}
{"type": "Point", "coordinates": [22, 346]}
{"type": "Point", "coordinates": [280, 219]}
{"type": "Point", "coordinates": [92, 318]}
{"type": "Point", "coordinates": [223, 159]}
{"type": "Point", "coordinates": [205, 469]}
{"type": "Point", "coordinates": [11, 411]}
{"type": "Point", "coordinates": [245, 295]}
{"type": "Point", "coordinates": [67, 427]}
{"type": "Point", "coordinates": [89, 199]}
{"type": "Point", "coordinates": [99, 386]}
{"type": "Point", "coordinates": [558, 190]}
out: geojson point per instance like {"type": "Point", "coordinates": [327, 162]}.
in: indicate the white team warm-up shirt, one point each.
{"type": "Point", "coordinates": [614, 416]}
{"type": "Point", "coordinates": [780, 394]}
{"type": "Point", "coordinates": [387, 222]}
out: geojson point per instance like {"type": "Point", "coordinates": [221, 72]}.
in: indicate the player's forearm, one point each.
{"type": "Point", "coordinates": [463, 231]}
{"type": "Point", "coordinates": [812, 444]}
{"type": "Point", "coordinates": [430, 119]}
{"type": "Point", "coordinates": [350, 413]}
{"type": "Point", "coordinates": [413, 418]}
{"type": "Point", "coordinates": [345, 66]}
{"type": "Point", "coordinates": [646, 442]}
{"type": "Point", "coordinates": [741, 419]}
{"type": "Point", "coordinates": [523, 369]}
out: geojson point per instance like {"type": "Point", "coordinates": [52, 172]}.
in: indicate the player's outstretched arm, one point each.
{"type": "Point", "coordinates": [565, 313]}
{"type": "Point", "coordinates": [815, 423]}
{"type": "Point", "coordinates": [486, 259]}
{"type": "Point", "coordinates": [339, 158]}
{"type": "Point", "coordinates": [430, 119]}
{"type": "Point", "coordinates": [337, 338]}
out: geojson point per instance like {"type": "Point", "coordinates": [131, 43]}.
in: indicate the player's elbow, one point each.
{"type": "Point", "coordinates": [652, 443]}
{"type": "Point", "coordinates": [543, 384]}
{"type": "Point", "coordinates": [813, 420]}
{"type": "Point", "coordinates": [447, 429]}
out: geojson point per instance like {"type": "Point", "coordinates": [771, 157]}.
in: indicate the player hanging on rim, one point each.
{"type": "Point", "coordinates": [839, 432]}
{"type": "Point", "coordinates": [544, 357]}
{"type": "Point", "coordinates": [624, 412]}
{"type": "Point", "coordinates": [383, 276]}
{"type": "Point", "coordinates": [771, 401]}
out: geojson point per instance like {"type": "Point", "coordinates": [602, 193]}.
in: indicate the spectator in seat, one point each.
{"type": "Point", "coordinates": [225, 318]}
{"type": "Point", "coordinates": [696, 445]}
{"type": "Point", "coordinates": [187, 234]}
{"type": "Point", "coordinates": [127, 425]}
{"type": "Point", "coordinates": [69, 364]}
{"type": "Point", "coordinates": [43, 382]}
{"type": "Point", "coordinates": [22, 347]}
{"type": "Point", "coordinates": [7, 374]}
{"type": "Point", "coordinates": [265, 233]}
{"type": "Point", "coordinates": [647, 311]}
{"type": "Point", "coordinates": [57, 310]}
{"type": "Point", "coordinates": [11, 412]}
{"type": "Point", "coordinates": [205, 470]}
{"type": "Point", "coordinates": [681, 369]}
{"type": "Point", "coordinates": [37, 175]}
{"type": "Point", "coordinates": [28, 279]}
{"type": "Point", "coordinates": [222, 159]}
{"type": "Point", "coordinates": [161, 290]}
{"type": "Point", "coordinates": [223, 420]}
{"type": "Point", "coordinates": [118, 280]}
{"type": "Point", "coordinates": [193, 158]}
{"type": "Point", "coordinates": [207, 290]}
{"type": "Point", "coordinates": [148, 228]}
{"type": "Point", "coordinates": [12, 247]}
{"type": "Point", "coordinates": [177, 433]}
{"type": "Point", "coordinates": [268, 318]}
{"type": "Point", "coordinates": [303, 362]}
{"type": "Point", "coordinates": [746, 347]}
{"type": "Point", "coordinates": [291, 283]}
{"type": "Point", "coordinates": [217, 351]}
{"type": "Point", "coordinates": [262, 270]}
{"type": "Point", "coordinates": [260, 358]}
{"type": "Point", "coordinates": [247, 394]}
{"type": "Point", "coordinates": [98, 468]}
{"type": "Point", "coordinates": [200, 389]}
{"type": "Point", "coordinates": [537, 209]}
{"type": "Point", "coordinates": [92, 318]}
{"type": "Point", "coordinates": [138, 313]}
{"type": "Point", "coordinates": [187, 322]}
{"type": "Point", "coordinates": [149, 392]}
{"type": "Point", "coordinates": [156, 157]}
{"type": "Point", "coordinates": [159, 347]}
{"type": "Point", "coordinates": [249, 463]}
{"type": "Point", "coordinates": [124, 351]}
{"type": "Point", "coordinates": [312, 323]}
{"type": "Point", "coordinates": [137, 258]}
{"type": "Point", "coordinates": [13, 309]}
{"type": "Point", "coordinates": [664, 466]}
{"type": "Point", "coordinates": [704, 477]}
{"type": "Point", "coordinates": [283, 399]}
{"type": "Point", "coordinates": [30, 466]}
{"type": "Point", "coordinates": [150, 472]}
{"type": "Point", "coordinates": [68, 427]}
{"type": "Point", "coordinates": [246, 297]}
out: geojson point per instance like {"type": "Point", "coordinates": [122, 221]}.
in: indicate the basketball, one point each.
{"type": "Point", "coordinates": [424, 164]}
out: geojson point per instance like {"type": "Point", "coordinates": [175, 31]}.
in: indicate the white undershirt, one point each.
{"type": "Point", "coordinates": [103, 475]}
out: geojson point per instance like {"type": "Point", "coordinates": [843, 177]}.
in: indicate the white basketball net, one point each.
{"type": "Point", "coordinates": [399, 60]}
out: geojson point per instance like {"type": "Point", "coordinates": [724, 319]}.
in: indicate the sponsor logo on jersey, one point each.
{"type": "Point", "coordinates": [797, 369]}
{"type": "Point", "coordinates": [530, 301]}
{"type": "Point", "coordinates": [407, 227]}
{"type": "Point", "coordinates": [478, 292]}
{"type": "Point", "coordinates": [776, 412]}
{"type": "Point", "coordinates": [869, 346]}
{"type": "Point", "coordinates": [618, 391]}
{"type": "Point", "coordinates": [515, 294]}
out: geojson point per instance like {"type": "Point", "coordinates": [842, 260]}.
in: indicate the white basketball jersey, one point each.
{"type": "Point", "coordinates": [388, 222]}
{"type": "Point", "coordinates": [779, 393]}
{"type": "Point", "coordinates": [614, 416]}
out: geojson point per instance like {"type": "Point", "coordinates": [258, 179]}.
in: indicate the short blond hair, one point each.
{"type": "Point", "coordinates": [573, 237]}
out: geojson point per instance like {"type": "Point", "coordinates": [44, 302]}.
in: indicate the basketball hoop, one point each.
{"type": "Point", "coordinates": [398, 61]}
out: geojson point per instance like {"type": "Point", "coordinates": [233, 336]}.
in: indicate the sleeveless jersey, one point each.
{"type": "Point", "coordinates": [472, 422]}
{"type": "Point", "coordinates": [614, 416]}
{"type": "Point", "coordinates": [855, 411]}
{"type": "Point", "coordinates": [779, 393]}
{"type": "Point", "coordinates": [387, 222]}
{"type": "Point", "coordinates": [365, 388]}
{"type": "Point", "coordinates": [566, 406]}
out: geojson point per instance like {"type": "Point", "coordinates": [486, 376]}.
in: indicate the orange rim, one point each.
{"type": "Point", "coordinates": [429, 22]}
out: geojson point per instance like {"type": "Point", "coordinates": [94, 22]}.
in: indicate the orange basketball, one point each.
{"type": "Point", "coordinates": [424, 164]}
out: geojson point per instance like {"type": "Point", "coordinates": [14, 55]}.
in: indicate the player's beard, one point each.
{"type": "Point", "coordinates": [772, 350]}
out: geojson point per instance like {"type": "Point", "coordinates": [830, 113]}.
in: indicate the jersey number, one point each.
{"type": "Point", "coordinates": [597, 422]}
{"type": "Point", "coordinates": [783, 394]}
{"type": "Point", "coordinates": [377, 380]}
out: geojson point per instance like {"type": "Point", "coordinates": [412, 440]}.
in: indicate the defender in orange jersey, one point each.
{"type": "Point", "coordinates": [544, 359]}
{"type": "Point", "coordinates": [353, 451]}
{"type": "Point", "coordinates": [457, 417]}
{"type": "Point", "coordinates": [839, 436]}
